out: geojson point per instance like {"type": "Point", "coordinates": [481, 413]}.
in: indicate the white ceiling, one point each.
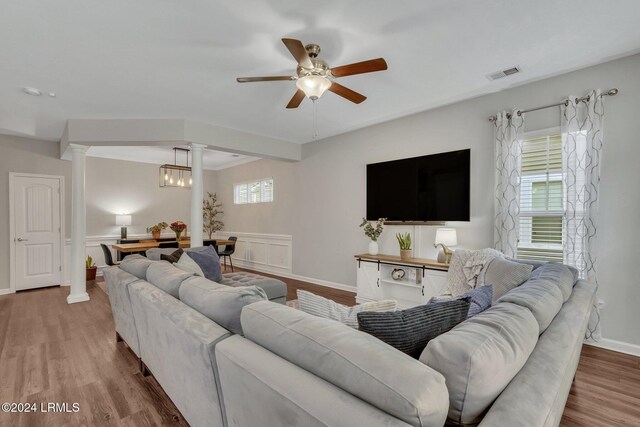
{"type": "Point", "coordinates": [179, 59]}
{"type": "Point", "coordinates": [211, 159]}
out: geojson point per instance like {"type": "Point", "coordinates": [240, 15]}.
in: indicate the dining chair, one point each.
{"type": "Point", "coordinates": [108, 258]}
{"type": "Point", "coordinates": [228, 251]}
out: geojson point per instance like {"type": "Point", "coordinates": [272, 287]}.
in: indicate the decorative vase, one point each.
{"type": "Point", "coordinates": [155, 234]}
{"type": "Point", "coordinates": [178, 234]}
{"type": "Point", "coordinates": [405, 254]}
{"type": "Point", "coordinates": [373, 248]}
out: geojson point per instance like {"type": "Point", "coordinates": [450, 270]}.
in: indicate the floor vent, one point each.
{"type": "Point", "coordinates": [503, 73]}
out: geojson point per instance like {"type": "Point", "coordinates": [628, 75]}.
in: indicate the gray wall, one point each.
{"type": "Point", "coordinates": [112, 186]}
{"type": "Point", "coordinates": [320, 200]}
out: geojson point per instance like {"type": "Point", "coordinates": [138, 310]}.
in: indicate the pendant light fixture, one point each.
{"type": "Point", "coordinates": [167, 171]}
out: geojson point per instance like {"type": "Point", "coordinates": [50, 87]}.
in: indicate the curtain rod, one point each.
{"type": "Point", "coordinates": [610, 92]}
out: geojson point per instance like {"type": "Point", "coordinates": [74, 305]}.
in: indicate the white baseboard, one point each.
{"type": "Point", "coordinates": [619, 346]}
{"type": "Point", "coordinates": [6, 291]}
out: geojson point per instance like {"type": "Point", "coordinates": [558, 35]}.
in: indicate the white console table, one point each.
{"type": "Point", "coordinates": [423, 279]}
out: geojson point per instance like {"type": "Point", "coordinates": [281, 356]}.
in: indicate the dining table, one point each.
{"type": "Point", "coordinates": [127, 248]}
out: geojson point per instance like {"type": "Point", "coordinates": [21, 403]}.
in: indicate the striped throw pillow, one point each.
{"type": "Point", "coordinates": [328, 309]}
{"type": "Point", "coordinates": [411, 330]}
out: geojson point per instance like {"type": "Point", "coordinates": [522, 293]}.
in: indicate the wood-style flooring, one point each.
{"type": "Point", "coordinates": [52, 352]}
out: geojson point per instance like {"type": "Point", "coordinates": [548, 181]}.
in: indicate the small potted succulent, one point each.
{"type": "Point", "coordinates": [178, 227]}
{"type": "Point", "coordinates": [91, 269]}
{"type": "Point", "coordinates": [373, 233]}
{"type": "Point", "coordinates": [155, 230]}
{"type": "Point", "coordinates": [404, 240]}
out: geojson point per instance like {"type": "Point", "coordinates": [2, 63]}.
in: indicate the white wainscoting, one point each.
{"type": "Point", "coordinates": [270, 253]}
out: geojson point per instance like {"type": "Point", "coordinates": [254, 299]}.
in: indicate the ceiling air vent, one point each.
{"type": "Point", "coordinates": [503, 73]}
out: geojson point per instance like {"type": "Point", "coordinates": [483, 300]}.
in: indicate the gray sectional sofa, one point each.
{"type": "Point", "coordinates": [227, 356]}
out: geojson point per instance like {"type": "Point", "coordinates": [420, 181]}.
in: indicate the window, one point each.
{"type": "Point", "coordinates": [253, 192]}
{"type": "Point", "coordinates": [541, 199]}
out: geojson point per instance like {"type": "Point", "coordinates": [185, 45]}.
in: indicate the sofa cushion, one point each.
{"type": "Point", "coordinates": [324, 307]}
{"type": "Point", "coordinates": [563, 276]}
{"type": "Point", "coordinates": [410, 330]}
{"type": "Point", "coordinates": [352, 360]}
{"type": "Point", "coordinates": [220, 303]}
{"type": "Point", "coordinates": [481, 299]}
{"type": "Point", "coordinates": [209, 262]}
{"type": "Point", "coordinates": [275, 289]}
{"type": "Point", "coordinates": [504, 275]}
{"type": "Point", "coordinates": [165, 276]}
{"type": "Point", "coordinates": [479, 358]}
{"type": "Point", "coordinates": [542, 297]}
{"type": "Point", "coordinates": [136, 264]}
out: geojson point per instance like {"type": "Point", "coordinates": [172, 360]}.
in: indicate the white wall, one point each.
{"type": "Point", "coordinates": [112, 186]}
{"type": "Point", "coordinates": [320, 200]}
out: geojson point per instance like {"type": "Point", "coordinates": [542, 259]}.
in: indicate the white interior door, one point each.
{"type": "Point", "coordinates": [37, 231]}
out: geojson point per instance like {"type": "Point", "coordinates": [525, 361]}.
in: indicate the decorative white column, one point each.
{"type": "Point", "coordinates": [78, 227]}
{"type": "Point", "coordinates": [197, 194]}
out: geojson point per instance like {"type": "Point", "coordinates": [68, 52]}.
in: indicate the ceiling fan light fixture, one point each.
{"type": "Point", "coordinates": [313, 86]}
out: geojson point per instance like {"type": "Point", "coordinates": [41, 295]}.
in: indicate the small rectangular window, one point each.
{"type": "Point", "coordinates": [253, 192]}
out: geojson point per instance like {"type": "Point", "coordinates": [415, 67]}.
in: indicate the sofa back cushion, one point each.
{"type": "Point", "coordinates": [155, 254]}
{"type": "Point", "coordinates": [166, 277]}
{"type": "Point", "coordinates": [352, 360]}
{"type": "Point", "coordinates": [479, 358]}
{"type": "Point", "coordinates": [541, 296]}
{"type": "Point", "coordinates": [137, 265]}
{"type": "Point", "coordinates": [220, 303]}
{"type": "Point", "coordinates": [563, 276]}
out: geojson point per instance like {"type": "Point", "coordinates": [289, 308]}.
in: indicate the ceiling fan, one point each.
{"type": "Point", "coordinates": [313, 76]}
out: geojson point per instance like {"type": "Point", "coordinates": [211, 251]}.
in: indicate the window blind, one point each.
{"type": "Point", "coordinates": [253, 192]}
{"type": "Point", "coordinates": [541, 200]}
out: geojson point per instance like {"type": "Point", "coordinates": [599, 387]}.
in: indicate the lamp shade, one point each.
{"type": "Point", "coordinates": [446, 236]}
{"type": "Point", "coordinates": [313, 86]}
{"type": "Point", "coordinates": [123, 220]}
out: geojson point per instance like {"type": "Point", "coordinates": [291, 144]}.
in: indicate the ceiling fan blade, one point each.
{"type": "Point", "coordinates": [299, 52]}
{"type": "Point", "coordinates": [347, 93]}
{"type": "Point", "coordinates": [360, 68]}
{"type": "Point", "coordinates": [262, 79]}
{"type": "Point", "coordinates": [296, 100]}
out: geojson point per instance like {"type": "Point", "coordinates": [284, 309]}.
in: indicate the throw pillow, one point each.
{"type": "Point", "coordinates": [209, 262]}
{"type": "Point", "coordinates": [481, 299]}
{"type": "Point", "coordinates": [411, 330]}
{"type": "Point", "coordinates": [173, 257]}
{"type": "Point", "coordinates": [328, 309]}
{"type": "Point", "coordinates": [186, 263]}
{"type": "Point", "coordinates": [504, 275]}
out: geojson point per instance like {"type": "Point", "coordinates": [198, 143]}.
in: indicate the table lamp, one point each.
{"type": "Point", "coordinates": [123, 221]}
{"type": "Point", "coordinates": [445, 237]}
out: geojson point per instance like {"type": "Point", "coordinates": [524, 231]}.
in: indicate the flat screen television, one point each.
{"type": "Point", "coordinates": [427, 188]}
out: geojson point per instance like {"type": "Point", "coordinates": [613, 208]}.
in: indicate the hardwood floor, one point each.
{"type": "Point", "coordinates": [54, 352]}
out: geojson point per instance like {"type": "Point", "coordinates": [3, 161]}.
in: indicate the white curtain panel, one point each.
{"type": "Point", "coordinates": [509, 131]}
{"type": "Point", "coordinates": [582, 138]}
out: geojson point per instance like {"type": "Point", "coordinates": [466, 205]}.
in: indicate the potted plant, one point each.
{"type": "Point", "coordinates": [373, 233]}
{"type": "Point", "coordinates": [91, 269]}
{"type": "Point", "coordinates": [155, 230]}
{"type": "Point", "coordinates": [178, 227]}
{"type": "Point", "coordinates": [404, 240]}
{"type": "Point", "coordinates": [210, 212]}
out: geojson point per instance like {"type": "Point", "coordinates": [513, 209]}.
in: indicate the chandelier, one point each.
{"type": "Point", "coordinates": [174, 175]}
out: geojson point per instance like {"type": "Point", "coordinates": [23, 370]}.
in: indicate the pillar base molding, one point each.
{"type": "Point", "coordinates": [72, 299]}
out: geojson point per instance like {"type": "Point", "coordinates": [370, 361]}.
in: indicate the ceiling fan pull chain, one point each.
{"type": "Point", "coordinates": [315, 119]}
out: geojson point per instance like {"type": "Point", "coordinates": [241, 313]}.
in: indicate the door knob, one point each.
{"type": "Point", "coordinates": [20, 239]}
